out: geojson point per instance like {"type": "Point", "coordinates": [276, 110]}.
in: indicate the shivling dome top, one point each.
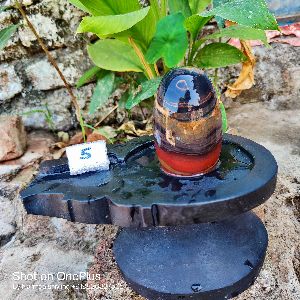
{"type": "Point", "coordinates": [187, 94]}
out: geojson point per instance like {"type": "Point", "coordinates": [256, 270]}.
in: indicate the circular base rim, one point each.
{"type": "Point", "coordinates": [234, 252]}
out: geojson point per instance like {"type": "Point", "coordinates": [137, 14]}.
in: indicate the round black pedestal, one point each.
{"type": "Point", "coordinates": [205, 261]}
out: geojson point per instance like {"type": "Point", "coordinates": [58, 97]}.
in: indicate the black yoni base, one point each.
{"type": "Point", "coordinates": [205, 261]}
{"type": "Point", "coordinates": [136, 193]}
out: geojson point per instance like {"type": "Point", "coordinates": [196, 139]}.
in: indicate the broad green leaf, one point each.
{"type": "Point", "coordinates": [240, 32]}
{"type": "Point", "coordinates": [180, 6]}
{"type": "Point", "coordinates": [163, 8]}
{"type": "Point", "coordinates": [88, 75]}
{"type": "Point", "coordinates": [110, 7]}
{"type": "Point", "coordinates": [105, 25]}
{"type": "Point", "coordinates": [218, 55]}
{"type": "Point", "coordinates": [170, 41]}
{"type": "Point", "coordinates": [78, 4]}
{"type": "Point", "coordinates": [142, 32]}
{"type": "Point", "coordinates": [220, 21]}
{"type": "Point", "coordinates": [224, 118]}
{"type": "Point", "coordinates": [197, 6]}
{"type": "Point", "coordinates": [148, 89]}
{"type": "Point", "coordinates": [252, 13]}
{"type": "Point", "coordinates": [156, 9]}
{"type": "Point", "coordinates": [194, 24]}
{"type": "Point", "coordinates": [114, 55]}
{"type": "Point", "coordinates": [3, 8]}
{"type": "Point", "coordinates": [145, 29]}
{"type": "Point", "coordinates": [103, 90]}
{"type": "Point", "coordinates": [5, 35]}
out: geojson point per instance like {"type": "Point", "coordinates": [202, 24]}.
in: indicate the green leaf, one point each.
{"type": "Point", "coordinates": [88, 75]}
{"type": "Point", "coordinates": [197, 6]}
{"type": "Point", "coordinates": [78, 4]}
{"type": "Point", "coordinates": [114, 55]}
{"type": "Point", "coordinates": [241, 32]}
{"type": "Point", "coordinates": [163, 8]}
{"type": "Point", "coordinates": [194, 24]}
{"type": "Point", "coordinates": [148, 89]}
{"type": "Point", "coordinates": [34, 111]}
{"type": "Point", "coordinates": [197, 45]}
{"type": "Point", "coordinates": [5, 35]}
{"type": "Point", "coordinates": [110, 7]}
{"type": "Point", "coordinates": [156, 9]}
{"type": "Point", "coordinates": [252, 13]}
{"type": "Point", "coordinates": [180, 6]}
{"type": "Point", "coordinates": [143, 31]}
{"type": "Point", "coordinates": [170, 41]}
{"type": "Point", "coordinates": [220, 21]}
{"type": "Point", "coordinates": [102, 91]}
{"type": "Point", "coordinates": [218, 55]}
{"type": "Point", "coordinates": [105, 25]}
{"type": "Point", "coordinates": [224, 118]}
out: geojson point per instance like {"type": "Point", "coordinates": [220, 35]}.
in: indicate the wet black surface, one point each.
{"type": "Point", "coordinates": [142, 181]}
{"type": "Point", "coordinates": [205, 261]}
{"type": "Point", "coordinates": [135, 192]}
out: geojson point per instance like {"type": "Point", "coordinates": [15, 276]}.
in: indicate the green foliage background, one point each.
{"type": "Point", "coordinates": [163, 35]}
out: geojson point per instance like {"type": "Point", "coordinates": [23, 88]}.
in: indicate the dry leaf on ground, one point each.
{"type": "Point", "coordinates": [107, 131]}
{"type": "Point", "coordinates": [130, 128]}
{"type": "Point", "coordinates": [63, 136]}
{"type": "Point", "coordinates": [246, 78]}
{"type": "Point", "coordinates": [58, 153]}
{"type": "Point", "coordinates": [95, 136]}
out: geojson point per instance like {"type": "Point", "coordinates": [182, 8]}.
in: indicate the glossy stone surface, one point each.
{"type": "Point", "coordinates": [187, 93]}
{"type": "Point", "coordinates": [136, 192]}
{"type": "Point", "coordinates": [213, 261]}
{"type": "Point", "coordinates": [187, 122]}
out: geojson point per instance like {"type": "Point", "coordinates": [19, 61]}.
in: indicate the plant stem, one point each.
{"type": "Point", "coordinates": [49, 118]}
{"type": "Point", "coordinates": [191, 44]}
{"type": "Point", "coordinates": [166, 69]}
{"type": "Point", "coordinates": [55, 65]}
{"type": "Point", "coordinates": [111, 111]}
{"type": "Point", "coordinates": [156, 70]}
{"type": "Point", "coordinates": [216, 78]}
{"type": "Point", "coordinates": [141, 56]}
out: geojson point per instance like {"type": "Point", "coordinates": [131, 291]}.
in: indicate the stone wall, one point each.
{"type": "Point", "coordinates": [277, 78]}
{"type": "Point", "coordinates": [28, 82]}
